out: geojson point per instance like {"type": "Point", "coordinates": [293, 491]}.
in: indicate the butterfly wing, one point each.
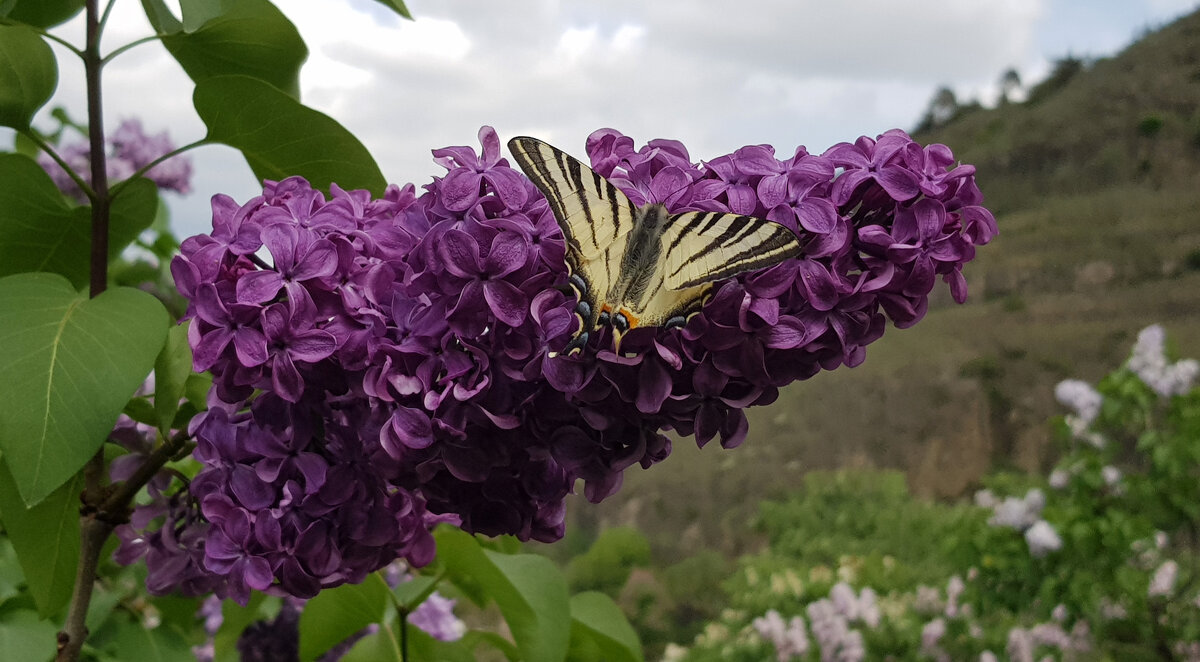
{"type": "Point", "coordinates": [704, 247]}
{"type": "Point", "coordinates": [595, 218]}
{"type": "Point", "coordinates": [700, 248]}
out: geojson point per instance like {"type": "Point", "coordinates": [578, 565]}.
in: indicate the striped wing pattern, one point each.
{"type": "Point", "coordinates": [703, 247]}
{"type": "Point", "coordinates": [594, 216]}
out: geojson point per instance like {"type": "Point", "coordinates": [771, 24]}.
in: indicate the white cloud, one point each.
{"type": "Point", "coordinates": [712, 75]}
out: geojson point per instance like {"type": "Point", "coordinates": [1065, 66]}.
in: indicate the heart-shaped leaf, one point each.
{"type": "Point", "coordinates": [248, 37]}
{"type": "Point", "coordinates": [529, 590]}
{"type": "Point", "coordinates": [39, 231]}
{"type": "Point", "coordinates": [281, 137]}
{"type": "Point", "coordinates": [70, 364]}
{"type": "Point", "coordinates": [28, 75]}
{"type": "Point", "coordinates": [46, 539]}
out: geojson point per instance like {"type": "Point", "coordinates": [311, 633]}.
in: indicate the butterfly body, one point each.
{"type": "Point", "coordinates": [636, 266]}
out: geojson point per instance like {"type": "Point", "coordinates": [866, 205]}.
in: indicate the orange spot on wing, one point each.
{"type": "Point", "coordinates": [633, 321]}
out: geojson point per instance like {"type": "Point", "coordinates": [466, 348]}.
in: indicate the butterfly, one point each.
{"type": "Point", "coordinates": [642, 266]}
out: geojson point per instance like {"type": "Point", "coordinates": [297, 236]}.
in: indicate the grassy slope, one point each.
{"type": "Point", "coordinates": [1097, 222]}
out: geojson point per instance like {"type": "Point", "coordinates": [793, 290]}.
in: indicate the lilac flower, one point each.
{"type": "Point", "coordinates": [406, 378]}
{"type": "Point", "coordinates": [1163, 581]}
{"type": "Point", "coordinates": [131, 150]}
{"type": "Point", "coordinates": [1149, 362]}
{"type": "Point", "coordinates": [435, 616]}
{"type": "Point", "coordinates": [1083, 400]}
{"type": "Point", "coordinates": [789, 639]}
{"type": "Point", "coordinates": [1042, 539]}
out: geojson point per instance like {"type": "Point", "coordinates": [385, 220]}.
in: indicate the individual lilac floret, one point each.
{"type": "Point", "coordinates": [407, 376]}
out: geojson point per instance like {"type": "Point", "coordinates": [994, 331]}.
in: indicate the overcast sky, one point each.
{"type": "Point", "coordinates": [785, 72]}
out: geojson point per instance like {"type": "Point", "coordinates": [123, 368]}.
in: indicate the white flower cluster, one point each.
{"type": "Point", "coordinates": [790, 639]}
{"type": "Point", "coordinates": [1023, 514]}
{"type": "Point", "coordinates": [1023, 643]}
{"type": "Point", "coordinates": [831, 619]}
{"type": "Point", "coordinates": [1149, 362]}
{"type": "Point", "coordinates": [1163, 582]}
{"type": "Point", "coordinates": [1084, 403]}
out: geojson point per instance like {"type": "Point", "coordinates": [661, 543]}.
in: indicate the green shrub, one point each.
{"type": "Point", "coordinates": [605, 567]}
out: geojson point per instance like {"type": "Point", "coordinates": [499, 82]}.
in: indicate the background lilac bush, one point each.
{"type": "Point", "coordinates": [388, 367]}
{"type": "Point", "coordinates": [1095, 561]}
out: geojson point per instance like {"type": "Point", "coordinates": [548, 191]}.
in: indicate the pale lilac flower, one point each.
{"type": "Point", "coordinates": [436, 617]}
{"type": "Point", "coordinates": [986, 499]}
{"type": "Point", "coordinates": [1149, 362]}
{"type": "Point", "coordinates": [931, 636]}
{"type": "Point", "coordinates": [852, 648]}
{"type": "Point", "coordinates": [790, 639]}
{"type": "Point", "coordinates": [868, 608]}
{"type": "Point", "coordinates": [1050, 634]}
{"type": "Point", "coordinates": [1111, 475]}
{"type": "Point", "coordinates": [954, 590]}
{"type": "Point", "coordinates": [1060, 613]}
{"type": "Point", "coordinates": [131, 150]}
{"type": "Point", "coordinates": [1019, 513]}
{"type": "Point", "coordinates": [1084, 402]}
{"type": "Point", "coordinates": [1020, 645]}
{"type": "Point", "coordinates": [1042, 539]}
{"type": "Point", "coordinates": [928, 600]}
{"type": "Point", "coordinates": [988, 656]}
{"type": "Point", "coordinates": [1164, 578]}
{"type": "Point", "coordinates": [1059, 479]}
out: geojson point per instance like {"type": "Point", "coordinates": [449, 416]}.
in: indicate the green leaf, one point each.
{"type": "Point", "coordinates": [70, 364]}
{"type": "Point", "coordinates": [11, 575]}
{"type": "Point", "coordinates": [171, 371]}
{"type": "Point", "coordinates": [493, 639]}
{"type": "Point", "coordinates": [45, 537]}
{"type": "Point", "coordinates": [594, 615]}
{"type": "Point", "coordinates": [141, 410]}
{"type": "Point", "coordinates": [248, 38]}
{"type": "Point", "coordinates": [24, 637]}
{"type": "Point", "coordinates": [39, 231]}
{"type": "Point", "coordinates": [423, 647]}
{"type": "Point", "coordinates": [337, 613]}
{"type": "Point", "coordinates": [396, 6]}
{"type": "Point", "coordinates": [281, 137]}
{"type": "Point", "coordinates": [133, 210]}
{"type": "Point", "coordinates": [378, 647]}
{"type": "Point", "coordinates": [133, 640]}
{"type": "Point", "coordinates": [45, 13]}
{"type": "Point", "coordinates": [28, 75]}
{"type": "Point", "coordinates": [413, 592]}
{"type": "Point", "coordinates": [529, 590]}
{"type": "Point", "coordinates": [196, 389]}
{"type": "Point", "coordinates": [160, 17]}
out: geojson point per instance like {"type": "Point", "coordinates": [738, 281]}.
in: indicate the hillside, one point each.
{"type": "Point", "coordinates": [1096, 185]}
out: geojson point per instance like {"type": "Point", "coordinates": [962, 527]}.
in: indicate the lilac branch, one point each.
{"type": "Point", "coordinates": [93, 530]}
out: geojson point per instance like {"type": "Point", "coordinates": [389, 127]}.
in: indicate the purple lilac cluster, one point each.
{"type": "Point", "coordinates": [130, 150]}
{"type": "Point", "coordinates": [390, 367]}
